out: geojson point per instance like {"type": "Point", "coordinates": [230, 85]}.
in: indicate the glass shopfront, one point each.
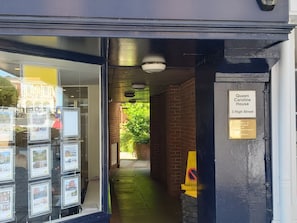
{"type": "Point", "coordinates": [50, 159]}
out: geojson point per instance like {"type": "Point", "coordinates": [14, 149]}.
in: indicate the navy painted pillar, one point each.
{"type": "Point", "coordinates": [242, 182]}
{"type": "Point", "coordinates": [236, 173]}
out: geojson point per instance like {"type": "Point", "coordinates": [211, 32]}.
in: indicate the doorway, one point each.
{"type": "Point", "coordinates": [171, 94]}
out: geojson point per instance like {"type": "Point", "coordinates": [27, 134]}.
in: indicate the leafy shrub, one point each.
{"type": "Point", "coordinates": [136, 129]}
{"type": "Point", "coordinates": [126, 140]}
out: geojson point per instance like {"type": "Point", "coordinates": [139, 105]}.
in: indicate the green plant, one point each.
{"type": "Point", "coordinates": [126, 140]}
{"type": "Point", "coordinates": [137, 125]}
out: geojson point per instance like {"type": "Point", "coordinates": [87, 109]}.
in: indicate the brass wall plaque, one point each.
{"type": "Point", "coordinates": [242, 129]}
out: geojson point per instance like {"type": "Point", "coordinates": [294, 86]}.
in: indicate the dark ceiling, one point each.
{"type": "Point", "coordinates": [125, 66]}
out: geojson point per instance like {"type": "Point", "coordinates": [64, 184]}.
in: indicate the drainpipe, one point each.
{"type": "Point", "coordinates": [286, 134]}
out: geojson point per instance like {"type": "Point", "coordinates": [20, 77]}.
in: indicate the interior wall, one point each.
{"type": "Point", "coordinates": [94, 133]}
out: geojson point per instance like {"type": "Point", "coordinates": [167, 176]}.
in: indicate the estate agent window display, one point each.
{"type": "Point", "coordinates": [66, 188]}
{"type": "Point", "coordinates": [7, 174]}
{"type": "Point", "coordinates": [36, 184]}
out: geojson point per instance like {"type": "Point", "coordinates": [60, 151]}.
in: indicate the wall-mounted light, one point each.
{"type": "Point", "coordinates": [267, 5]}
{"type": "Point", "coordinates": [153, 64]}
{"type": "Point", "coordinates": [138, 86]}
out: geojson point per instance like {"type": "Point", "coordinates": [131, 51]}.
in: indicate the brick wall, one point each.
{"type": "Point", "coordinates": [114, 118]}
{"type": "Point", "coordinates": [173, 134]}
{"type": "Point", "coordinates": [173, 139]}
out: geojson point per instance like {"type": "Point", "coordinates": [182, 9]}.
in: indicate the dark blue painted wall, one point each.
{"type": "Point", "coordinates": [235, 174]}
{"type": "Point", "coordinates": [205, 143]}
{"type": "Point", "coordinates": [229, 10]}
{"type": "Point", "coordinates": [241, 171]}
{"type": "Point", "coordinates": [205, 78]}
{"type": "Point", "coordinates": [240, 176]}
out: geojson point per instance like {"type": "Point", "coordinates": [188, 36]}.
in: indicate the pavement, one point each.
{"type": "Point", "coordinates": [137, 198]}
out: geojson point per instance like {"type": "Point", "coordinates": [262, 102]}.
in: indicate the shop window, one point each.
{"type": "Point", "coordinates": [49, 142]}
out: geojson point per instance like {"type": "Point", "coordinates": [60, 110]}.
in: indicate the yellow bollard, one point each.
{"type": "Point", "coordinates": [191, 179]}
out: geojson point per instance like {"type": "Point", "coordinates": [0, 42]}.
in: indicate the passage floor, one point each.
{"type": "Point", "coordinates": [138, 198]}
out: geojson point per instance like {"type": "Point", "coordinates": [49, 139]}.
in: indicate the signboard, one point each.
{"type": "Point", "coordinates": [242, 104]}
{"type": "Point", "coordinates": [40, 198]}
{"type": "Point", "coordinates": [242, 129]}
{"type": "Point", "coordinates": [179, 10]}
{"type": "Point", "coordinates": [7, 196]}
{"type": "Point", "coordinates": [242, 114]}
{"type": "Point", "coordinates": [7, 121]}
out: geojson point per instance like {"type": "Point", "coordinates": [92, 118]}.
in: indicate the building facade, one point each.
{"type": "Point", "coordinates": [55, 137]}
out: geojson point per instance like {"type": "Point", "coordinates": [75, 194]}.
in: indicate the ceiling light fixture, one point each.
{"type": "Point", "coordinates": [138, 86]}
{"type": "Point", "coordinates": [129, 94]}
{"type": "Point", "coordinates": [153, 64]}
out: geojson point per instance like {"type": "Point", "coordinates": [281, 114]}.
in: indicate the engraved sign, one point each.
{"type": "Point", "coordinates": [242, 129]}
{"type": "Point", "coordinates": [242, 104]}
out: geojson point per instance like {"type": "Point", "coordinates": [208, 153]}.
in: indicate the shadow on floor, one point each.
{"type": "Point", "coordinates": [138, 198]}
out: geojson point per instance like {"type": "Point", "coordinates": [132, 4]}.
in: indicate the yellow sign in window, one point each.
{"type": "Point", "coordinates": [47, 75]}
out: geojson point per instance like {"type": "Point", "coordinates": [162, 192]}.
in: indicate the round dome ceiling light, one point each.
{"type": "Point", "coordinates": [153, 64]}
{"type": "Point", "coordinates": [138, 86]}
{"type": "Point", "coordinates": [129, 94]}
